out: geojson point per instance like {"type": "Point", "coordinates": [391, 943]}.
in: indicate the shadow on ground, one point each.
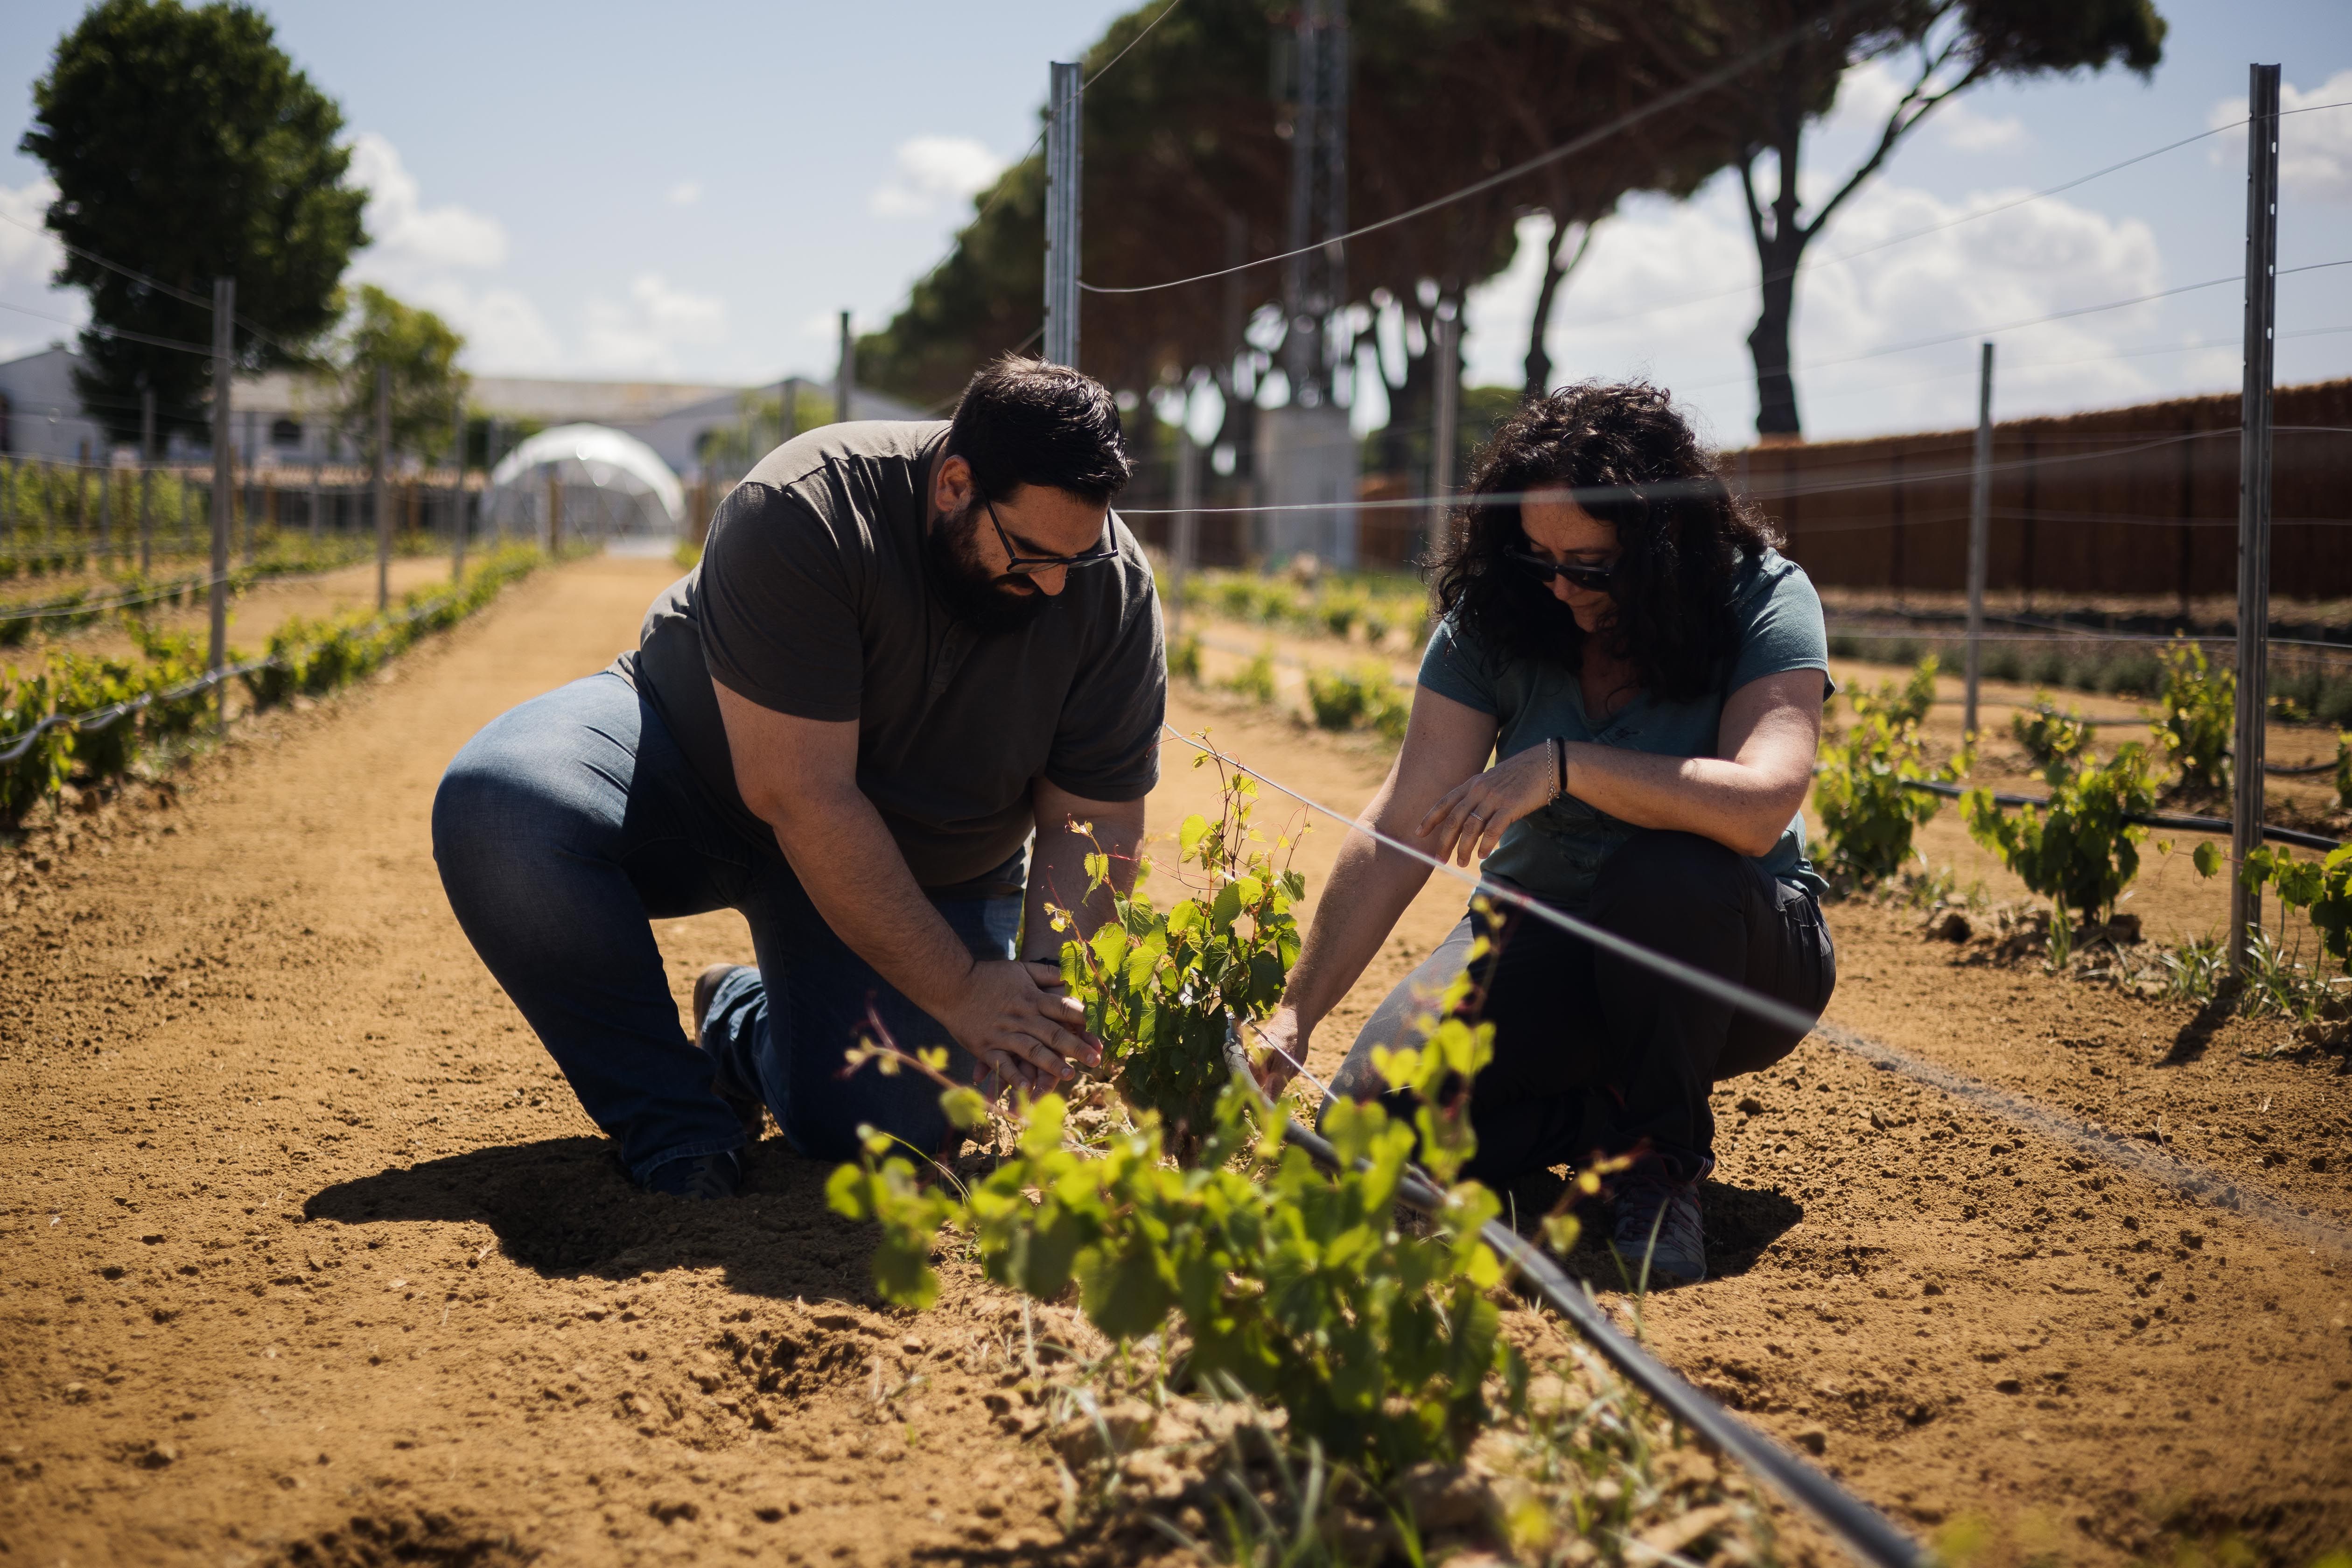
{"type": "Point", "coordinates": [563, 1207]}
{"type": "Point", "coordinates": [1740, 1224]}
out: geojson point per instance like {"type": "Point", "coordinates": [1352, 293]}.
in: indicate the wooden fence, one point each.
{"type": "Point", "coordinates": [2130, 501]}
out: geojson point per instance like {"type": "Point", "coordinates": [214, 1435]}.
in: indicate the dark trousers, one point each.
{"type": "Point", "coordinates": [1594, 1054]}
{"type": "Point", "coordinates": [570, 825]}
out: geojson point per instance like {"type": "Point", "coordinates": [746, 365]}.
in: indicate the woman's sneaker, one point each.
{"type": "Point", "coordinates": [1658, 1235]}
{"type": "Point", "coordinates": [747, 1106]}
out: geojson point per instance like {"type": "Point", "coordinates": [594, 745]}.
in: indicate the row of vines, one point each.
{"type": "Point", "coordinates": [2079, 848]}
{"type": "Point", "coordinates": [42, 615]}
{"type": "Point", "coordinates": [163, 684]}
{"type": "Point", "coordinates": [1368, 1355]}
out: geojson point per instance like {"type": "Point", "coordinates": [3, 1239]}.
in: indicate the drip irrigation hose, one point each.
{"type": "Point", "coordinates": [1862, 1528]}
{"type": "Point", "coordinates": [2294, 835]}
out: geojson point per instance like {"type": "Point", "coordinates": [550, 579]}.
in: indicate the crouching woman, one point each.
{"type": "Point", "coordinates": [1648, 674]}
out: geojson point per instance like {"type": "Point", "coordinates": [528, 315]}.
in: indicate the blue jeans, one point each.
{"type": "Point", "coordinates": [570, 825]}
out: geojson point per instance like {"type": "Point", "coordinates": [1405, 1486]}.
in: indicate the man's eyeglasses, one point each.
{"type": "Point", "coordinates": [1595, 579]}
{"type": "Point", "coordinates": [1026, 564]}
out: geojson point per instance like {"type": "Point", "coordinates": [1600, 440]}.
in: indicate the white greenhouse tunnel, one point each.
{"type": "Point", "coordinates": [613, 486]}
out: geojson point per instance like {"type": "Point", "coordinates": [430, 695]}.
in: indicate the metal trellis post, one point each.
{"type": "Point", "coordinates": [1184, 535]}
{"type": "Point", "coordinates": [845, 379]}
{"type": "Point", "coordinates": [224, 477]}
{"type": "Point", "coordinates": [1064, 90]}
{"type": "Point", "coordinates": [146, 479]}
{"type": "Point", "coordinates": [2255, 500]}
{"type": "Point", "coordinates": [457, 493]}
{"type": "Point", "coordinates": [381, 489]}
{"type": "Point", "coordinates": [1980, 529]}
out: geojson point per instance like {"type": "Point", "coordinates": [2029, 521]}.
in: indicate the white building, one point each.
{"type": "Point", "coordinates": [41, 416]}
{"type": "Point", "coordinates": [284, 418]}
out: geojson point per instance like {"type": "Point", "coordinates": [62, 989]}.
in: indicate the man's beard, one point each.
{"type": "Point", "coordinates": [989, 603]}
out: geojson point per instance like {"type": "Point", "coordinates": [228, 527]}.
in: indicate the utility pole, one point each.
{"type": "Point", "coordinates": [1315, 282]}
{"type": "Point", "coordinates": [1980, 531]}
{"type": "Point", "coordinates": [2254, 502]}
{"type": "Point", "coordinates": [1065, 103]}
{"type": "Point", "coordinates": [1445, 355]}
{"type": "Point", "coordinates": [381, 489]}
{"type": "Point", "coordinates": [845, 379]}
{"type": "Point", "coordinates": [223, 475]}
{"type": "Point", "coordinates": [146, 479]}
{"type": "Point", "coordinates": [457, 493]}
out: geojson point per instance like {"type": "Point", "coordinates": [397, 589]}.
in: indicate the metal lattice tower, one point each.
{"type": "Point", "coordinates": [1316, 283]}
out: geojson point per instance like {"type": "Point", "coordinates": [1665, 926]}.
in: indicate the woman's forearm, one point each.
{"type": "Point", "coordinates": [1370, 889]}
{"type": "Point", "coordinates": [1741, 806]}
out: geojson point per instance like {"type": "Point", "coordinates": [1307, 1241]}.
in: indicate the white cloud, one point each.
{"type": "Point", "coordinates": [644, 335]}
{"type": "Point", "coordinates": [686, 193]}
{"type": "Point", "coordinates": [2026, 262]}
{"type": "Point", "coordinates": [935, 174]}
{"type": "Point", "coordinates": [1965, 129]}
{"type": "Point", "coordinates": [2314, 147]}
{"type": "Point", "coordinates": [28, 253]}
{"type": "Point", "coordinates": [410, 236]}
{"type": "Point", "coordinates": [29, 256]}
{"type": "Point", "coordinates": [1866, 95]}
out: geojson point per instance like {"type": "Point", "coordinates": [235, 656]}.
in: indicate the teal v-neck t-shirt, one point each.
{"type": "Point", "coordinates": [1556, 853]}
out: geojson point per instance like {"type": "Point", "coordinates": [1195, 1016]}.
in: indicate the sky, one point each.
{"type": "Point", "coordinates": [693, 193]}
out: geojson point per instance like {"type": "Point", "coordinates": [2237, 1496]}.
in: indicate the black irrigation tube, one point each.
{"type": "Point", "coordinates": [2294, 835]}
{"type": "Point", "coordinates": [1862, 1528]}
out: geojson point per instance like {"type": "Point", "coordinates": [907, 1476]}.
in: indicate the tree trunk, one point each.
{"type": "Point", "coordinates": [1767, 344]}
{"type": "Point", "coordinates": [1556, 270]}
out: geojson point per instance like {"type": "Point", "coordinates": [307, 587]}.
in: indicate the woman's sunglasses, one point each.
{"type": "Point", "coordinates": [1595, 579]}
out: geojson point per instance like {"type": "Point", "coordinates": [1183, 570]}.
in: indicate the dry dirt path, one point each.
{"type": "Point", "coordinates": [311, 1255]}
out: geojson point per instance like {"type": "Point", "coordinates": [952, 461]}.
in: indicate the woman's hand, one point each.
{"type": "Point", "coordinates": [1470, 818]}
{"type": "Point", "coordinates": [1275, 1047]}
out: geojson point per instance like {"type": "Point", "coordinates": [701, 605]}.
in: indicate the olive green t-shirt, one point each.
{"type": "Point", "coordinates": [814, 598]}
{"type": "Point", "coordinates": [1556, 852]}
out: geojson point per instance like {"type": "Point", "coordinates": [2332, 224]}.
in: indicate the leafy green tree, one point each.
{"type": "Point", "coordinates": [185, 145]}
{"type": "Point", "coordinates": [1188, 171]}
{"type": "Point", "coordinates": [1943, 46]}
{"type": "Point", "coordinates": [420, 352]}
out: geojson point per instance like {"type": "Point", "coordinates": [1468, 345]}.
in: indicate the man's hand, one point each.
{"type": "Point", "coordinates": [1010, 1017]}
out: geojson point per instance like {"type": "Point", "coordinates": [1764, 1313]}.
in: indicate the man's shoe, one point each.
{"type": "Point", "coordinates": [718, 1175]}
{"type": "Point", "coordinates": [1658, 1235]}
{"type": "Point", "coordinates": [747, 1106]}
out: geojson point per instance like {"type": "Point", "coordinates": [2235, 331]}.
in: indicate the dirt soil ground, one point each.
{"type": "Point", "coordinates": [313, 1258]}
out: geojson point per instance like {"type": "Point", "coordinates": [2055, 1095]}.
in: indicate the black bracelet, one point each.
{"type": "Point", "coordinates": [1560, 766]}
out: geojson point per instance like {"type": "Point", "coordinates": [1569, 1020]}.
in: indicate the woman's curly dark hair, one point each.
{"type": "Point", "coordinates": [1636, 464]}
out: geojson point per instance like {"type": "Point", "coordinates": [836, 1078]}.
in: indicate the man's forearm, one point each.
{"type": "Point", "coordinates": [1057, 875]}
{"type": "Point", "coordinates": [854, 873]}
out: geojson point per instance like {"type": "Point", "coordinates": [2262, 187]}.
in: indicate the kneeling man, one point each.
{"type": "Point", "coordinates": [907, 647]}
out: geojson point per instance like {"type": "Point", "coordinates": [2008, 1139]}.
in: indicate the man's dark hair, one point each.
{"type": "Point", "coordinates": [1024, 421]}
{"type": "Point", "coordinates": [1636, 464]}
